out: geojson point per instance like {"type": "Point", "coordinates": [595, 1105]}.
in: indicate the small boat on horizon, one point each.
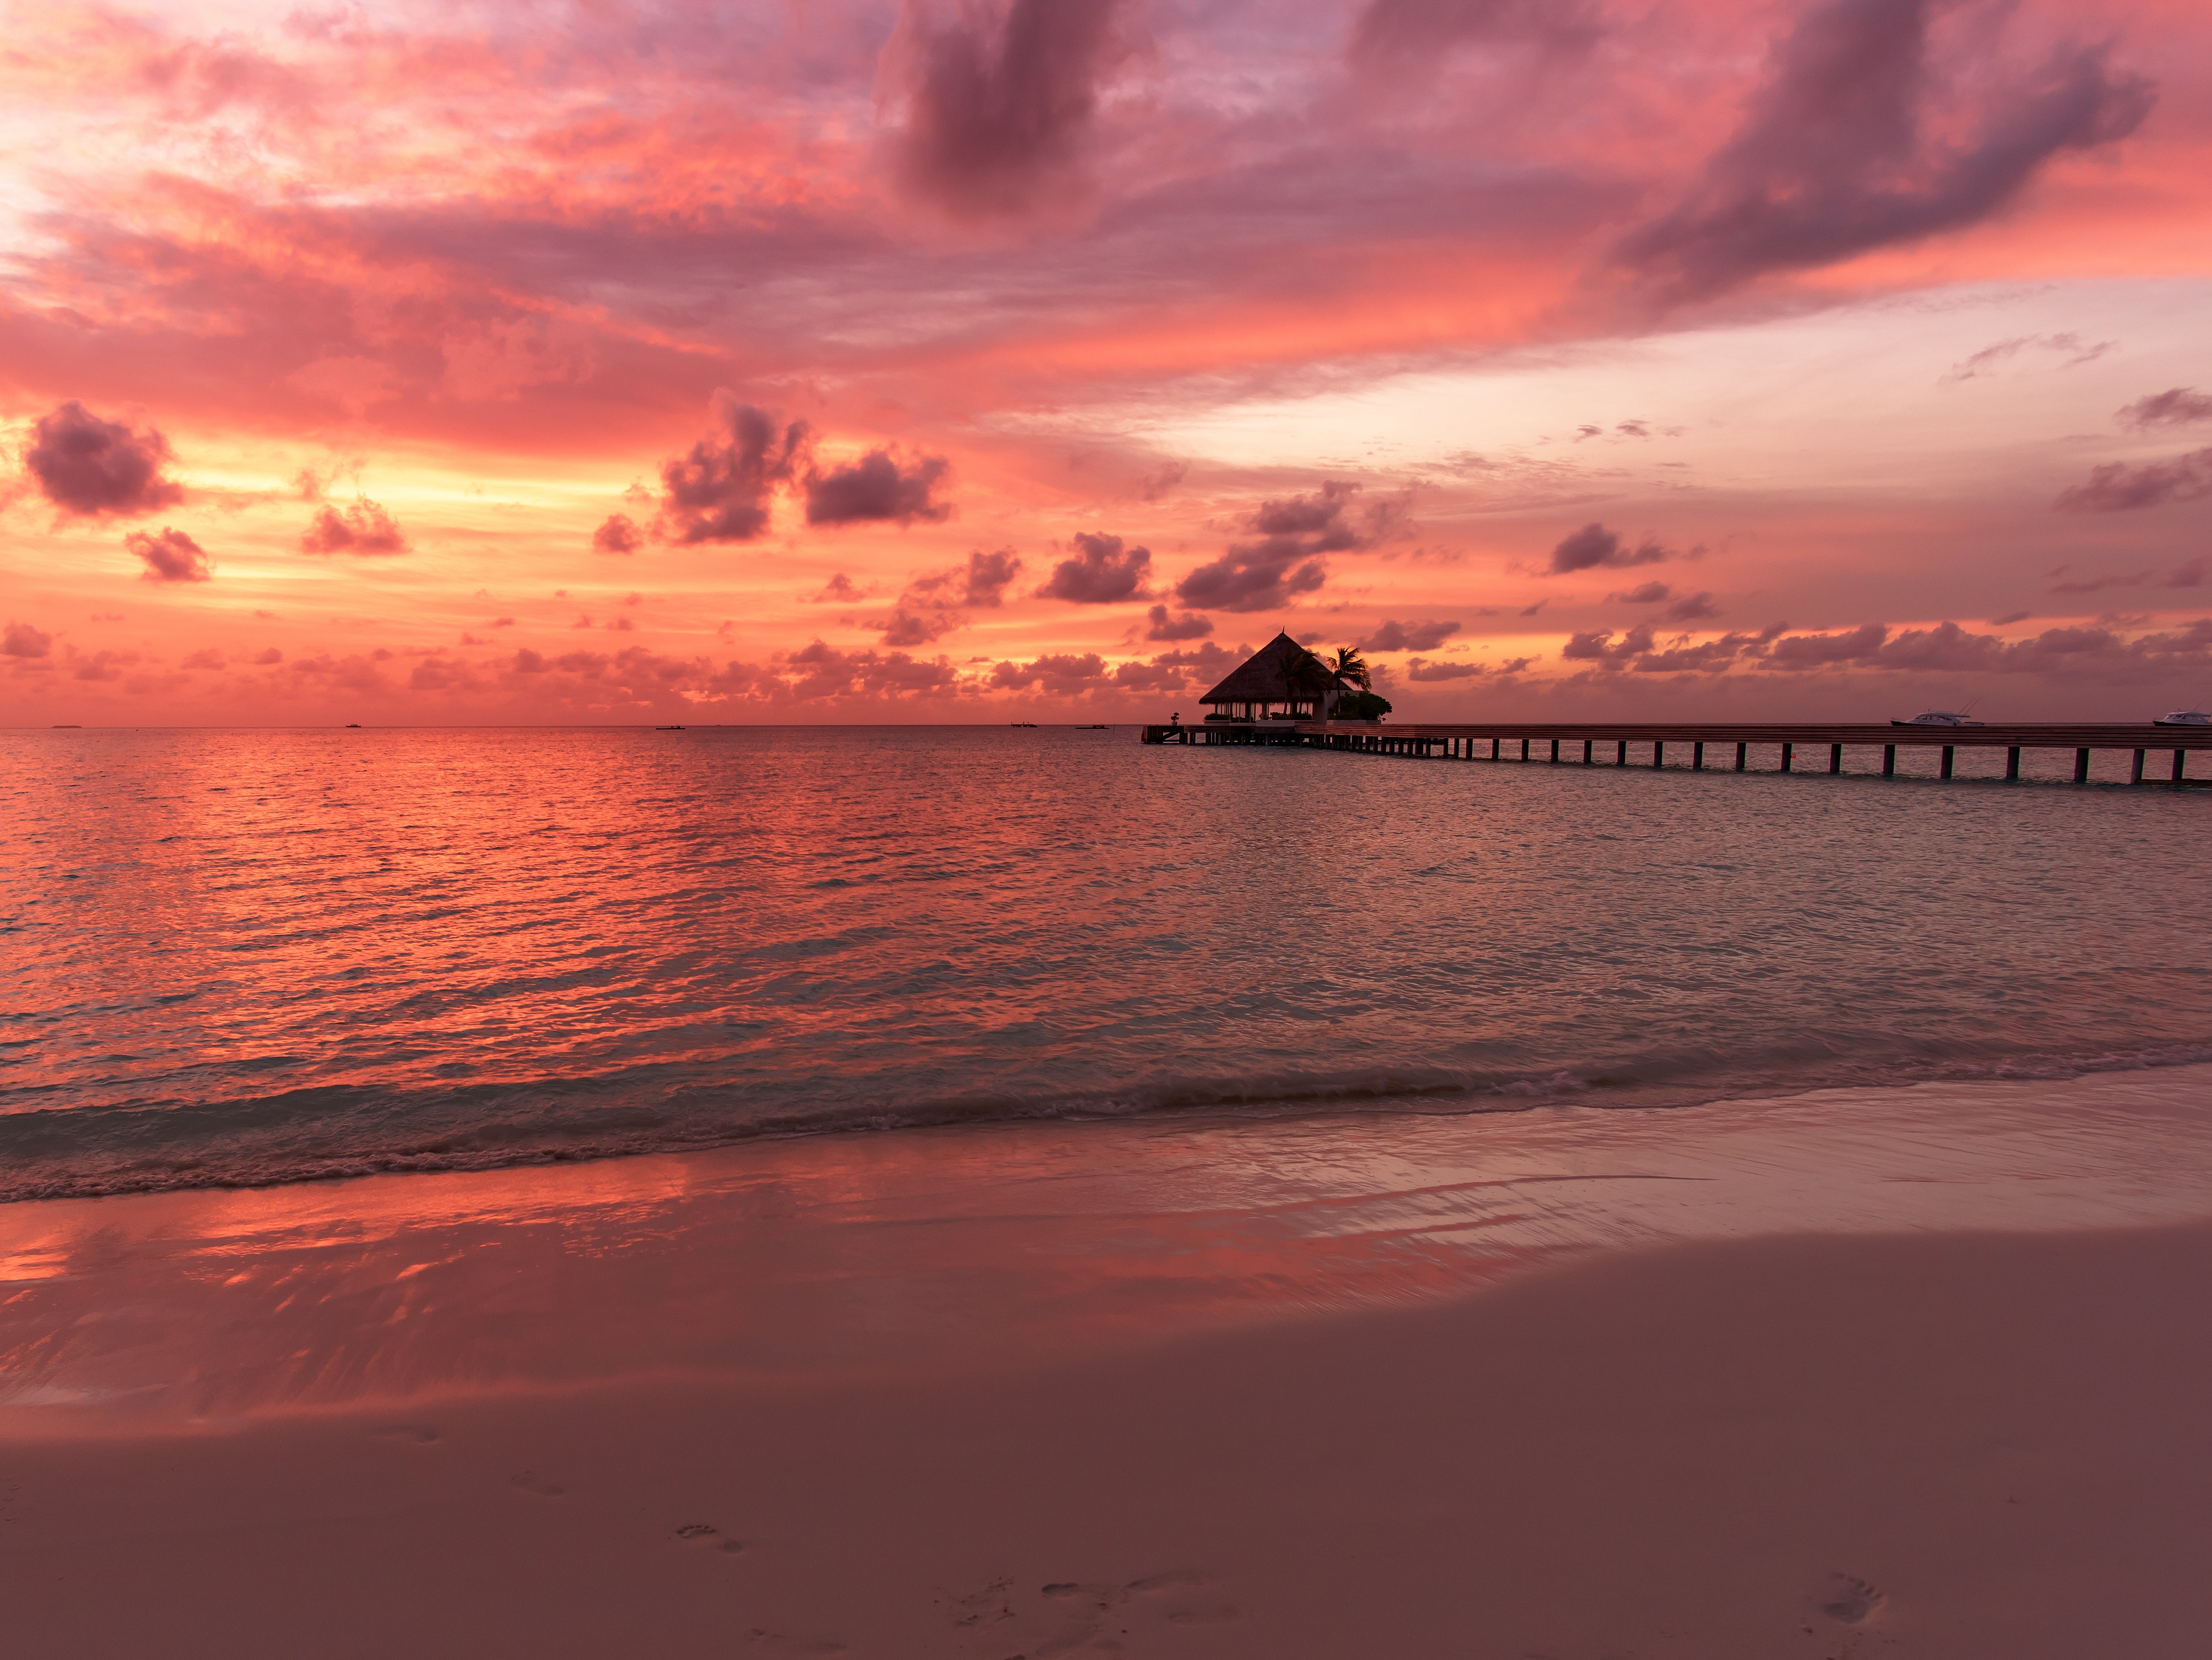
{"type": "Point", "coordinates": [353, 726]}
{"type": "Point", "coordinates": [668, 729]}
{"type": "Point", "coordinates": [1938, 718]}
{"type": "Point", "coordinates": [2183, 718]}
{"type": "Point", "coordinates": [1031, 724]}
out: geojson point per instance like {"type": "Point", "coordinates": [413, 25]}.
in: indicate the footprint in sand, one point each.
{"type": "Point", "coordinates": [1089, 1617]}
{"type": "Point", "coordinates": [1186, 1580]}
{"type": "Point", "coordinates": [706, 1533]}
{"type": "Point", "coordinates": [1850, 1599]}
{"type": "Point", "coordinates": [987, 1607]}
{"type": "Point", "coordinates": [529, 1482]}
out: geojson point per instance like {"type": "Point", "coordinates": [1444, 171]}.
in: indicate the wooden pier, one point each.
{"type": "Point", "coordinates": [1800, 748]}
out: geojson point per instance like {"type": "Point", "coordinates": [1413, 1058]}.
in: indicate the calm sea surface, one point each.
{"type": "Point", "coordinates": [254, 957]}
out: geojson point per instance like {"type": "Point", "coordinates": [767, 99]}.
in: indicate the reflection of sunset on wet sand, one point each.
{"type": "Point", "coordinates": [885, 1258]}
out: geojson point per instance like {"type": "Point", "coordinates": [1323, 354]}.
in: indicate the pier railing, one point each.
{"type": "Point", "coordinates": [1587, 743]}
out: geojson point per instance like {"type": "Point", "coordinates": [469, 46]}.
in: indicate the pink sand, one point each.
{"type": "Point", "coordinates": [1570, 1386]}
{"type": "Point", "coordinates": [1966, 1446]}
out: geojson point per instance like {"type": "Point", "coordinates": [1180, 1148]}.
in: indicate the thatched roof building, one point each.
{"type": "Point", "coordinates": [1282, 679]}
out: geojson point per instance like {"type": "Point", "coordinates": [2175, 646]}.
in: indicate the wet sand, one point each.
{"type": "Point", "coordinates": [1964, 1446]}
{"type": "Point", "coordinates": [1519, 1390]}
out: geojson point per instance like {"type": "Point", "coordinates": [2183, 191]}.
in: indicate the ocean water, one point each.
{"type": "Point", "coordinates": [238, 958]}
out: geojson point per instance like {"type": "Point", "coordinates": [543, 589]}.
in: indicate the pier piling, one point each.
{"type": "Point", "coordinates": [1457, 742]}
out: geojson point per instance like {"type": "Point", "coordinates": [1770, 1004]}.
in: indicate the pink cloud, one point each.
{"type": "Point", "coordinates": [718, 490]}
{"type": "Point", "coordinates": [88, 467]}
{"type": "Point", "coordinates": [21, 640]}
{"type": "Point", "coordinates": [363, 527]}
{"type": "Point", "coordinates": [877, 488]}
{"type": "Point", "coordinates": [618, 534]}
{"type": "Point", "coordinates": [170, 556]}
{"type": "Point", "coordinates": [1104, 571]}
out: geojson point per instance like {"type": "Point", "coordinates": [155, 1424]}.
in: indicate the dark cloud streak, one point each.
{"type": "Point", "coordinates": [1849, 147]}
{"type": "Point", "coordinates": [1408, 637]}
{"type": "Point", "coordinates": [2181, 406]}
{"type": "Point", "coordinates": [1410, 34]}
{"type": "Point", "coordinates": [1000, 105]}
{"type": "Point", "coordinates": [1594, 546]}
{"type": "Point", "coordinates": [2116, 487]}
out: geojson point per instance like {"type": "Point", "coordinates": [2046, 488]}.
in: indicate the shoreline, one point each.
{"type": "Point", "coordinates": [1954, 1445]}
{"type": "Point", "coordinates": [830, 1259]}
{"type": "Point", "coordinates": [1204, 1105]}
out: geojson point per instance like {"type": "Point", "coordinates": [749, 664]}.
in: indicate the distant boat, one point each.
{"type": "Point", "coordinates": [78, 726]}
{"type": "Point", "coordinates": [1031, 724]}
{"type": "Point", "coordinates": [1937, 718]}
{"type": "Point", "coordinates": [2185, 718]}
{"type": "Point", "coordinates": [353, 726]}
{"type": "Point", "coordinates": [668, 729]}
{"type": "Point", "coordinates": [1094, 729]}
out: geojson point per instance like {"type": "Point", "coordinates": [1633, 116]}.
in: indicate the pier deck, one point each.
{"type": "Point", "coordinates": [1586, 744]}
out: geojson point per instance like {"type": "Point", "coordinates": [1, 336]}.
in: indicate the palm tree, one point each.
{"type": "Point", "coordinates": [1350, 666]}
{"type": "Point", "coordinates": [1308, 678]}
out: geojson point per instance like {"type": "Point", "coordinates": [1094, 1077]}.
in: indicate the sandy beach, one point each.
{"type": "Point", "coordinates": [1956, 1446]}
{"type": "Point", "coordinates": [807, 1408]}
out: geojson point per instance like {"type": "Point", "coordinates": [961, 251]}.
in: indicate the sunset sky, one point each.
{"type": "Point", "coordinates": [610, 361]}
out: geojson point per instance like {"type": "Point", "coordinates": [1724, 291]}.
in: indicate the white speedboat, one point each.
{"type": "Point", "coordinates": [2185, 718]}
{"type": "Point", "coordinates": [1937, 718]}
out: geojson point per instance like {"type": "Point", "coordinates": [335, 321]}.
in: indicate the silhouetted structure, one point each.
{"type": "Point", "coordinates": [1483, 742]}
{"type": "Point", "coordinates": [1281, 681]}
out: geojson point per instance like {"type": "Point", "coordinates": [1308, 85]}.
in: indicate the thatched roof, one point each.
{"type": "Point", "coordinates": [1261, 679]}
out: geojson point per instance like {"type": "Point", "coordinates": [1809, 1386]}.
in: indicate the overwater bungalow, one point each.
{"type": "Point", "coordinates": [1281, 681]}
